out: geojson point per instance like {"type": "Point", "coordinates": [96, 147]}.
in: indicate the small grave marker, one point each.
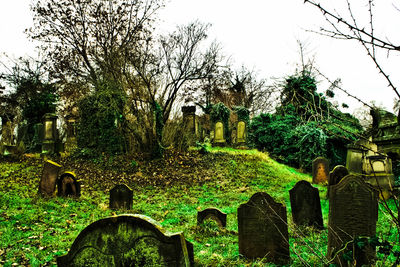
{"type": "Point", "coordinates": [212, 213]}
{"type": "Point", "coordinates": [67, 185]}
{"type": "Point", "coordinates": [336, 175]}
{"type": "Point", "coordinates": [263, 231]}
{"type": "Point", "coordinates": [320, 170]}
{"type": "Point", "coordinates": [48, 181]}
{"type": "Point", "coordinates": [121, 197]}
{"type": "Point", "coordinates": [306, 205]}
{"type": "Point", "coordinates": [353, 212]}
{"type": "Point", "coordinates": [128, 240]}
{"type": "Point", "coordinates": [241, 132]}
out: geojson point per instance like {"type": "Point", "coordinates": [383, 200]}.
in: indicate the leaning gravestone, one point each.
{"type": "Point", "coordinates": [320, 170]}
{"type": "Point", "coordinates": [68, 185]}
{"type": "Point", "coordinates": [128, 240]}
{"type": "Point", "coordinates": [353, 212]}
{"type": "Point", "coordinates": [48, 181]}
{"type": "Point", "coordinates": [336, 175]}
{"type": "Point", "coordinates": [121, 197]}
{"type": "Point", "coordinates": [263, 230]}
{"type": "Point", "coordinates": [212, 213]}
{"type": "Point", "coordinates": [306, 205]}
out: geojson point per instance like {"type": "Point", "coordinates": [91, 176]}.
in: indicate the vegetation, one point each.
{"type": "Point", "coordinates": [35, 230]}
{"type": "Point", "coordinates": [306, 125]}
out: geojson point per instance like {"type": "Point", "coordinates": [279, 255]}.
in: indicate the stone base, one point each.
{"type": "Point", "coordinates": [9, 150]}
{"type": "Point", "coordinates": [220, 143]}
{"type": "Point", "coordinates": [48, 147]}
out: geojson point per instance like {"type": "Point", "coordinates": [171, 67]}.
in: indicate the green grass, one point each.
{"type": "Point", "coordinates": [35, 230]}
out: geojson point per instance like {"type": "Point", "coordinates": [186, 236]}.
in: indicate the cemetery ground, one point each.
{"type": "Point", "coordinates": [35, 230]}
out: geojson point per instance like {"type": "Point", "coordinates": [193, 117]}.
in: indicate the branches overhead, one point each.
{"type": "Point", "coordinates": [350, 29]}
{"type": "Point", "coordinates": [83, 38]}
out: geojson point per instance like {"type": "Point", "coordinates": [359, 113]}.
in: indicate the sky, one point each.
{"type": "Point", "coordinates": [263, 35]}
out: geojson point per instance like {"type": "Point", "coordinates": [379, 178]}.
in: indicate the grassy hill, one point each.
{"type": "Point", "coordinates": [35, 230]}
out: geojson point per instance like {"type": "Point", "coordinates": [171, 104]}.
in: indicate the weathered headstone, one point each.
{"type": "Point", "coordinates": [353, 212]}
{"type": "Point", "coordinates": [7, 133]}
{"type": "Point", "coordinates": [263, 230]}
{"type": "Point", "coordinates": [320, 170]}
{"type": "Point", "coordinates": [48, 181]}
{"type": "Point", "coordinates": [212, 213]}
{"type": "Point", "coordinates": [128, 240]}
{"type": "Point", "coordinates": [67, 185]}
{"type": "Point", "coordinates": [241, 132]}
{"type": "Point", "coordinates": [50, 133]}
{"type": "Point", "coordinates": [306, 205]}
{"type": "Point", "coordinates": [219, 133]}
{"type": "Point", "coordinates": [336, 175]}
{"type": "Point", "coordinates": [121, 197]}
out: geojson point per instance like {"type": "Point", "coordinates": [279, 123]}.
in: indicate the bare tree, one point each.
{"type": "Point", "coordinates": [348, 27]}
{"type": "Point", "coordinates": [87, 39]}
{"type": "Point", "coordinates": [156, 78]}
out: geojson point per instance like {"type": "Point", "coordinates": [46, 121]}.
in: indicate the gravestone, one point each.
{"type": "Point", "coordinates": [6, 133]}
{"type": "Point", "coordinates": [336, 175]}
{"type": "Point", "coordinates": [306, 205]}
{"type": "Point", "coordinates": [263, 230]}
{"type": "Point", "coordinates": [128, 240]}
{"type": "Point", "coordinates": [353, 212]}
{"type": "Point", "coordinates": [50, 133]}
{"type": "Point", "coordinates": [121, 197]}
{"type": "Point", "coordinates": [67, 185]}
{"type": "Point", "coordinates": [219, 133]}
{"type": "Point", "coordinates": [320, 170]}
{"type": "Point", "coordinates": [212, 213]}
{"type": "Point", "coordinates": [48, 181]}
{"type": "Point", "coordinates": [241, 133]}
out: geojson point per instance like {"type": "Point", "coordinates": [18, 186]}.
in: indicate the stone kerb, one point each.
{"type": "Point", "coordinates": [128, 240]}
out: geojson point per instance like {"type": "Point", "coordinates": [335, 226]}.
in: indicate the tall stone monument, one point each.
{"type": "Point", "coordinates": [50, 133]}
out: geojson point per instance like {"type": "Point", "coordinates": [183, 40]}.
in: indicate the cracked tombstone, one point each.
{"type": "Point", "coordinates": [306, 205]}
{"type": "Point", "coordinates": [128, 240]}
{"type": "Point", "coordinates": [320, 170]}
{"type": "Point", "coordinates": [47, 185]}
{"type": "Point", "coordinates": [121, 197]}
{"type": "Point", "coordinates": [353, 212]}
{"type": "Point", "coordinates": [212, 213]}
{"type": "Point", "coordinates": [68, 185]}
{"type": "Point", "coordinates": [263, 230]}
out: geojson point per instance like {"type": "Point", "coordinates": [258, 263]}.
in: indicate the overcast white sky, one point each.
{"type": "Point", "coordinates": [262, 35]}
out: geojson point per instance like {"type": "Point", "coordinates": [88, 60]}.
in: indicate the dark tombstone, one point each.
{"type": "Point", "coordinates": [212, 213]}
{"type": "Point", "coordinates": [67, 185]}
{"type": "Point", "coordinates": [336, 175]}
{"type": "Point", "coordinates": [121, 197]}
{"type": "Point", "coordinates": [48, 181]}
{"type": "Point", "coordinates": [353, 212]}
{"type": "Point", "coordinates": [306, 205]}
{"type": "Point", "coordinates": [128, 240]}
{"type": "Point", "coordinates": [320, 170]}
{"type": "Point", "coordinates": [263, 231]}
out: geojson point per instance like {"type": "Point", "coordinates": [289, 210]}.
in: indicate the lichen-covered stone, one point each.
{"type": "Point", "coordinates": [128, 240]}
